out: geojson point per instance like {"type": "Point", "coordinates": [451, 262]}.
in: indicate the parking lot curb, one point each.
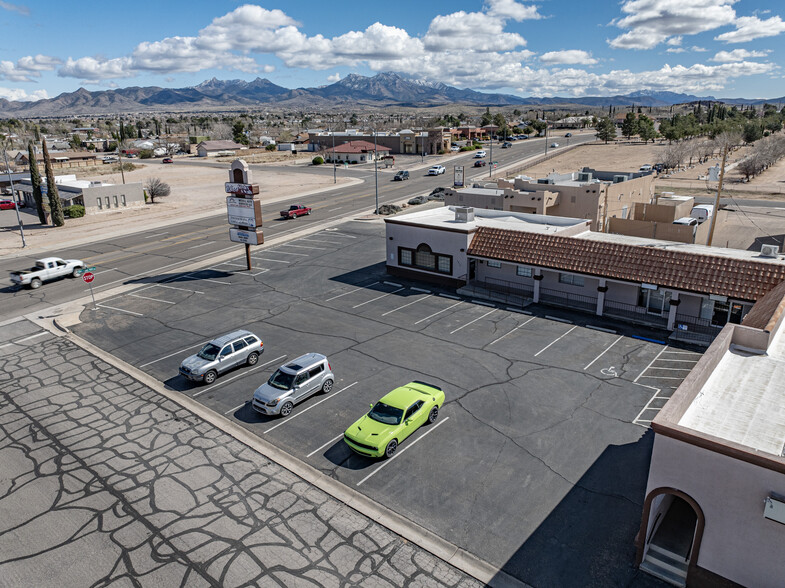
{"type": "Point", "coordinates": [407, 529]}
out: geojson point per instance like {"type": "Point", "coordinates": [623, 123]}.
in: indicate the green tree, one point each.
{"type": "Point", "coordinates": [646, 129]}
{"type": "Point", "coordinates": [238, 133]}
{"type": "Point", "coordinates": [35, 180]}
{"type": "Point", "coordinates": [630, 125]}
{"type": "Point", "coordinates": [55, 206]}
{"type": "Point", "coordinates": [606, 130]}
{"type": "Point", "coordinates": [487, 117]}
{"type": "Point", "coordinates": [752, 132]}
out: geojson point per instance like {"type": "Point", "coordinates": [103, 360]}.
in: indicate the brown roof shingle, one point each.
{"type": "Point", "coordinates": [706, 274]}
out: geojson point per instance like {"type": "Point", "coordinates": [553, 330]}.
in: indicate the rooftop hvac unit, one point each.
{"type": "Point", "coordinates": [619, 178]}
{"type": "Point", "coordinates": [769, 250]}
{"type": "Point", "coordinates": [545, 181]}
{"type": "Point", "coordinates": [464, 214]}
{"type": "Point", "coordinates": [584, 177]}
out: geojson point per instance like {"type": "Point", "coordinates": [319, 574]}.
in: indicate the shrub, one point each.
{"type": "Point", "coordinates": [318, 160]}
{"type": "Point", "coordinates": [145, 153]}
{"type": "Point", "coordinates": [467, 148]}
{"type": "Point", "coordinates": [74, 211]}
{"type": "Point", "coordinates": [270, 147]}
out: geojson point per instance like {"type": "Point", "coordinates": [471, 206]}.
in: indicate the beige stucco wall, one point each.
{"type": "Point", "coordinates": [665, 231]}
{"type": "Point", "coordinates": [445, 242]}
{"type": "Point", "coordinates": [738, 543]}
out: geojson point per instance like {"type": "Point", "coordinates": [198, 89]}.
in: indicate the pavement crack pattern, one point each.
{"type": "Point", "coordinates": [106, 482]}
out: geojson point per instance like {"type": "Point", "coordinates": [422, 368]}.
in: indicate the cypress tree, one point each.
{"type": "Point", "coordinates": [58, 219]}
{"type": "Point", "coordinates": [35, 180]}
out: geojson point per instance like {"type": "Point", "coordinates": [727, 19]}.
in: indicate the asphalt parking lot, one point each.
{"type": "Point", "coordinates": [539, 459]}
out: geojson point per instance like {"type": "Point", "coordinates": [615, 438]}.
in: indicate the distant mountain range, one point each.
{"type": "Point", "coordinates": [384, 89]}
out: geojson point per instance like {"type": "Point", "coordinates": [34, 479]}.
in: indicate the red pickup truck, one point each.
{"type": "Point", "coordinates": [296, 210]}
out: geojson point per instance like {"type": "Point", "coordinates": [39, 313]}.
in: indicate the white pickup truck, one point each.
{"type": "Point", "coordinates": [46, 269]}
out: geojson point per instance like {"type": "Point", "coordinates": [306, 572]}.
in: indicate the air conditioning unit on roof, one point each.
{"type": "Point", "coordinates": [769, 250]}
{"type": "Point", "coordinates": [619, 178]}
{"type": "Point", "coordinates": [584, 177]}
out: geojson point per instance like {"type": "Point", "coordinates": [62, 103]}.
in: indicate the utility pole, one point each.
{"type": "Point", "coordinates": [717, 199]}
{"type": "Point", "coordinates": [490, 167]}
{"type": "Point", "coordinates": [375, 172]}
{"type": "Point", "coordinates": [335, 180]}
{"type": "Point", "coordinates": [13, 197]}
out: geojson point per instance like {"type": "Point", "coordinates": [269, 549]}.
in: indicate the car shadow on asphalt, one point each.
{"type": "Point", "coordinates": [340, 455]}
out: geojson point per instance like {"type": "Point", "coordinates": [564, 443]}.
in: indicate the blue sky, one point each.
{"type": "Point", "coordinates": [724, 48]}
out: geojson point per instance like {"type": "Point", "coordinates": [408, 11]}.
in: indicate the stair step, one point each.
{"type": "Point", "coordinates": [663, 574]}
{"type": "Point", "coordinates": [666, 559]}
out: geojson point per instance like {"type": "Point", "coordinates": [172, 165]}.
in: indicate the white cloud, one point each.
{"type": "Point", "coordinates": [749, 28]}
{"type": "Point", "coordinates": [512, 9]}
{"type": "Point", "coordinates": [336, 77]}
{"type": "Point", "coordinates": [698, 49]}
{"type": "Point", "coordinates": [676, 50]}
{"type": "Point", "coordinates": [651, 22]}
{"type": "Point", "coordinates": [674, 41]}
{"type": "Point", "coordinates": [93, 69]}
{"type": "Point", "coordinates": [23, 10]}
{"type": "Point", "coordinates": [470, 30]}
{"type": "Point", "coordinates": [21, 95]}
{"type": "Point", "coordinates": [568, 57]}
{"type": "Point", "coordinates": [27, 68]}
{"type": "Point", "coordinates": [737, 55]}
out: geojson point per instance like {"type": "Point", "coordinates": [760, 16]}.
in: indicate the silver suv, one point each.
{"type": "Point", "coordinates": [292, 383]}
{"type": "Point", "coordinates": [222, 354]}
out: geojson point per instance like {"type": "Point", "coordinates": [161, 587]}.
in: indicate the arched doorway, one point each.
{"type": "Point", "coordinates": [670, 535]}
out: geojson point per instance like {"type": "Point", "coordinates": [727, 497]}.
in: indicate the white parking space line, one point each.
{"type": "Point", "coordinates": [511, 332]}
{"type": "Point", "coordinates": [402, 451]}
{"type": "Point", "coordinates": [309, 240]}
{"type": "Point", "coordinates": [474, 321]}
{"type": "Point", "coordinates": [303, 247]}
{"type": "Point", "coordinates": [244, 373]}
{"type": "Point", "coordinates": [588, 365]}
{"type": "Point", "coordinates": [556, 340]}
{"type": "Point", "coordinates": [330, 442]}
{"type": "Point", "coordinates": [231, 263]}
{"type": "Point", "coordinates": [377, 298]}
{"type": "Point", "coordinates": [271, 260]}
{"type": "Point", "coordinates": [351, 291]}
{"type": "Point", "coordinates": [290, 418]}
{"type": "Point", "coordinates": [153, 299]}
{"type": "Point", "coordinates": [685, 369]}
{"type": "Point", "coordinates": [656, 357]}
{"type": "Point", "coordinates": [405, 305]}
{"type": "Point", "coordinates": [441, 311]}
{"type": "Point", "coordinates": [171, 288]}
{"type": "Point", "coordinates": [236, 408]}
{"type": "Point", "coordinates": [119, 309]}
{"type": "Point", "coordinates": [31, 337]}
{"type": "Point", "coordinates": [337, 233]}
{"type": "Point", "coordinates": [289, 253]}
{"type": "Point", "coordinates": [683, 352]}
{"type": "Point", "coordinates": [171, 354]}
{"type": "Point", "coordinates": [662, 378]}
{"type": "Point", "coordinates": [638, 420]}
{"type": "Point", "coordinates": [202, 245]}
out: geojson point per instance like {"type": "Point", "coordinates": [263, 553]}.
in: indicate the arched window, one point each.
{"type": "Point", "coordinates": [424, 257]}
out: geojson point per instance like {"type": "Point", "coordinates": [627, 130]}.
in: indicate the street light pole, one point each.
{"type": "Point", "coordinates": [335, 180]}
{"type": "Point", "coordinates": [375, 172]}
{"type": "Point", "coordinates": [13, 197]}
{"type": "Point", "coordinates": [490, 167]}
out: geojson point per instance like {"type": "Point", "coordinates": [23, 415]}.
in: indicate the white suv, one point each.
{"type": "Point", "coordinates": [479, 154]}
{"type": "Point", "coordinates": [292, 383]}
{"type": "Point", "coordinates": [436, 170]}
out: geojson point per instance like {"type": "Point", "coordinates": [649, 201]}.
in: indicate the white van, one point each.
{"type": "Point", "coordinates": [686, 220]}
{"type": "Point", "coordinates": [702, 212]}
{"type": "Point", "coordinates": [645, 168]}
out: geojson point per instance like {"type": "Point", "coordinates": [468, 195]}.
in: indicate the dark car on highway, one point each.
{"type": "Point", "coordinates": [480, 163]}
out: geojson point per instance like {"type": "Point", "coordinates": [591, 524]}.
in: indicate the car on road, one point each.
{"type": "Point", "coordinates": [480, 163]}
{"type": "Point", "coordinates": [7, 205]}
{"type": "Point", "coordinates": [295, 210]}
{"type": "Point", "coordinates": [436, 170]}
{"type": "Point", "coordinates": [480, 154]}
{"type": "Point", "coordinates": [48, 268]}
{"type": "Point", "coordinates": [292, 383]}
{"type": "Point", "coordinates": [167, 160]}
{"type": "Point", "coordinates": [554, 145]}
{"type": "Point", "coordinates": [455, 148]}
{"type": "Point", "coordinates": [222, 354]}
{"type": "Point", "coordinates": [110, 159]}
{"type": "Point", "coordinates": [522, 137]}
{"type": "Point", "coordinates": [401, 175]}
{"type": "Point", "coordinates": [391, 420]}
{"type": "Point", "coordinates": [506, 145]}
{"type": "Point", "coordinates": [568, 135]}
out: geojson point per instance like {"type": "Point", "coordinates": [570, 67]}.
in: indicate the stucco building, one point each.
{"type": "Point", "coordinates": [356, 152]}
{"type": "Point", "coordinates": [94, 196]}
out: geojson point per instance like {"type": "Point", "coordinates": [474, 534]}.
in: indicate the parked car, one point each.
{"type": "Point", "coordinates": [702, 212]}
{"type": "Point", "coordinates": [506, 145]}
{"type": "Point", "coordinates": [454, 148]}
{"type": "Point", "coordinates": [646, 167]}
{"type": "Point", "coordinates": [391, 420]}
{"type": "Point", "coordinates": [480, 163]}
{"type": "Point", "coordinates": [295, 210]}
{"type": "Point", "coordinates": [292, 383]}
{"type": "Point", "coordinates": [167, 160]}
{"type": "Point", "coordinates": [480, 154]}
{"type": "Point", "coordinates": [222, 354]}
{"type": "Point", "coordinates": [7, 205]}
{"type": "Point", "coordinates": [48, 268]}
{"type": "Point", "coordinates": [436, 170]}
{"type": "Point", "coordinates": [401, 175]}
{"type": "Point", "coordinates": [110, 158]}
{"type": "Point", "coordinates": [554, 145]}
{"type": "Point", "coordinates": [686, 220]}
{"type": "Point", "coordinates": [523, 137]}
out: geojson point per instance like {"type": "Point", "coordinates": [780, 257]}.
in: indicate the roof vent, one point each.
{"type": "Point", "coordinates": [584, 177]}
{"type": "Point", "coordinates": [619, 178]}
{"type": "Point", "coordinates": [464, 214]}
{"type": "Point", "coordinates": [545, 181]}
{"type": "Point", "coordinates": [769, 250]}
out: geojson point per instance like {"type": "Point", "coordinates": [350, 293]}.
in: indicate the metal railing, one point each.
{"type": "Point", "coordinates": [691, 324]}
{"type": "Point", "coordinates": [501, 290]}
{"type": "Point", "coordinates": [639, 314]}
{"type": "Point", "coordinates": [568, 299]}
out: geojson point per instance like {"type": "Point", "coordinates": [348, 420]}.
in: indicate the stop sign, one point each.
{"type": "Point", "coordinates": [88, 277]}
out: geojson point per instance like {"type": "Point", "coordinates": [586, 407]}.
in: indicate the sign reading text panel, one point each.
{"type": "Point", "coordinates": [244, 212]}
{"type": "Point", "coordinates": [247, 237]}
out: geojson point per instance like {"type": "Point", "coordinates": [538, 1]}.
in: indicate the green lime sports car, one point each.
{"type": "Point", "coordinates": [391, 420]}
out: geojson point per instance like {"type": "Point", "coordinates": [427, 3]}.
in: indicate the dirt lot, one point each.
{"type": "Point", "coordinates": [196, 191]}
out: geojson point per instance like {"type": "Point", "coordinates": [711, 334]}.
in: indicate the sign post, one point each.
{"type": "Point", "coordinates": [87, 278]}
{"type": "Point", "coordinates": [243, 209]}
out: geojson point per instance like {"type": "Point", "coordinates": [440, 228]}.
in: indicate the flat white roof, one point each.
{"type": "Point", "coordinates": [685, 247]}
{"type": "Point", "coordinates": [444, 217]}
{"type": "Point", "coordinates": [743, 400]}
